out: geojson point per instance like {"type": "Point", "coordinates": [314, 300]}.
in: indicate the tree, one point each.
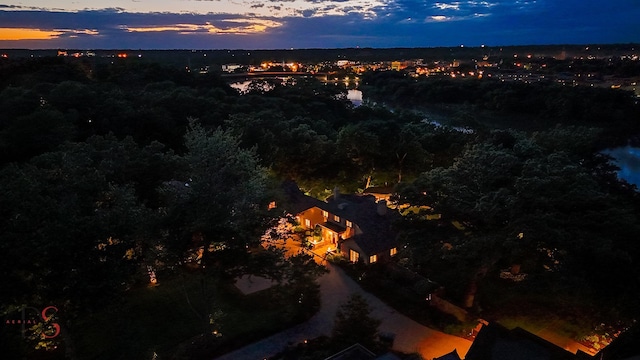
{"type": "Point", "coordinates": [354, 324]}
{"type": "Point", "coordinates": [360, 146]}
{"type": "Point", "coordinates": [34, 134]}
{"type": "Point", "coordinates": [225, 194]}
{"type": "Point", "coordinates": [409, 151]}
{"type": "Point", "coordinates": [70, 237]}
{"type": "Point", "coordinates": [522, 202]}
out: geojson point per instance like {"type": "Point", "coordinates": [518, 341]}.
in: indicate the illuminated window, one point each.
{"type": "Point", "coordinates": [373, 259]}
{"type": "Point", "coordinates": [325, 214]}
{"type": "Point", "coordinates": [272, 205]}
{"type": "Point", "coordinates": [353, 255]}
{"type": "Point", "coordinates": [336, 218]}
{"type": "Point", "coordinates": [307, 223]}
{"type": "Point", "coordinates": [393, 251]}
{"type": "Point", "coordinates": [349, 224]}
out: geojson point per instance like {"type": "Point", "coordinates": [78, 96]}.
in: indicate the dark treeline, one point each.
{"type": "Point", "coordinates": [545, 104]}
{"type": "Point", "coordinates": [108, 168]}
{"type": "Point", "coordinates": [307, 129]}
{"type": "Point", "coordinates": [203, 57]}
{"type": "Point", "coordinates": [545, 201]}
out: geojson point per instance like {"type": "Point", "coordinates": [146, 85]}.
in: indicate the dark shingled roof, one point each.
{"type": "Point", "coordinates": [297, 200]}
{"type": "Point", "coordinates": [450, 356]}
{"type": "Point", "coordinates": [377, 235]}
{"type": "Point", "coordinates": [334, 227]}
{"type": "Point", "coordinates": [626, 346]}
{"type": "Point", "coordinates": [353, 352]}
{"type": "Point", "coordinates": [362, 210]}
{"type": "Point", "coordinates": [495, 342]}
{"type": "Point", "coordinates": [378, 190]}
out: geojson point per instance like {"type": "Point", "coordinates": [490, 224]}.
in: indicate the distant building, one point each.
{"type": "Point", "coordinates": [231, 67]}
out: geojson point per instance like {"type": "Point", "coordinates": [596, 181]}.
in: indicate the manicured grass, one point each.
{"type": "Point", "coordinates": [161, 319]}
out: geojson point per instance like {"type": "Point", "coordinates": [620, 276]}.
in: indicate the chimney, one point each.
{"type": "Point", "coordinates": [382, 207]}
{"type": "Point", "coordinates": [336, 193]}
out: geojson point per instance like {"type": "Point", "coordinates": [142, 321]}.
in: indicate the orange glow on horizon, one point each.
{"type": "Point", "coordinates": [16, 34]}
{"type": "Point", "coordinates": [248, 26]}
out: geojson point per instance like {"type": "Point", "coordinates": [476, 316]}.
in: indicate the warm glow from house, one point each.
{"type": "Point", "coordinates": [393, 251]}
{"type": "Point", "coordinates": [15, 34]}
{"type": "Point", "coordinates": [353, 256]}
{"type": "Point", "coordinates": [373, 259]}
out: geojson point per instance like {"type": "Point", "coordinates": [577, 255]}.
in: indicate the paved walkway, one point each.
{"type": "Point", "coordinates": [335, 289]}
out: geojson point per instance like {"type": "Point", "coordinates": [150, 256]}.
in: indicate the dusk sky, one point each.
{"type": "Point", "coordinates": [278, 24]}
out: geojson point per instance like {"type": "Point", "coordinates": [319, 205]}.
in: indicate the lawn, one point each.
{"type": "Point", "coordinates": [169, 319]}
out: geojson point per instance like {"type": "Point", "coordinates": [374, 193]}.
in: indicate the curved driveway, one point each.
{"type": "Point", "coordinates": [335, 289]}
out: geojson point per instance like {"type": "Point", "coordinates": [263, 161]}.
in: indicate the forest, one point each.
{"type": "Point", "coordinates": [112, 171]}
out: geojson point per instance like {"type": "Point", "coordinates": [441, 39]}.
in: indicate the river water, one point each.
{"type": "Point", "coordinates": [627, 158]}
{"type": "Point", "coordinates": [354, 95]}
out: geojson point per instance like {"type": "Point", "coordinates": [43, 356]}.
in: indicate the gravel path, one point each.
{"type": "Point", "coordinates": [335, 289]}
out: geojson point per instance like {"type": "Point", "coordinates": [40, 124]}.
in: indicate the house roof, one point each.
{"type": "Point", "coordinates": [388, 356]}
{"type": "Point", "coordinates": [376, 234]}
{"type": "Point", "coordinates": [297, 200]}
{"type": "Point", "coordinates": [353, 352]}
{"type": "Point", "coordinates": [495, 342]}
{"type": "Point", "coordinates": [362, 210]}
{"type": "Point", "coordinates": [334, 227]}
{"type": "Point", "coordinates": [450, 356]}
{"type": "Point", "coordinates": [372, 244]}
{"type": "Point", "coordinates": [624, 346]}
{"type": "Point", "coordinates": [378, 190]}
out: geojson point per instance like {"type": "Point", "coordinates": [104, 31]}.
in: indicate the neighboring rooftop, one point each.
{"type": "Point", "coordinates": [353, 352]}
{"type": "Point", "coordinates": [495, 342]}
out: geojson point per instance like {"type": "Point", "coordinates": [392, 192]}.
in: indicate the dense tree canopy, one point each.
{"type": "Point", "coordinates": [524, 203]}
{"type": "Point", "coordinates": [105, 174]}
{"type": "Point", "coordinates": [539, 104]}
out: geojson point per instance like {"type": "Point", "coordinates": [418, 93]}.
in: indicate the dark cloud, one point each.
{"type": "Point", "coordinates": [396, 23]}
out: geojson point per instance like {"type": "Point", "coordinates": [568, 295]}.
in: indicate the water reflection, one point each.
{"type": "Point", "coordinates": [355, 96]}
{"type": "Point", "coordinates": [628, 160]}
{"type": "Point", "coordinates": [266, 84]}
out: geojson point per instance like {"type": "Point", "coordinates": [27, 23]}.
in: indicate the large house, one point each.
{"type": "Point", "coordinates": [357, 226]}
